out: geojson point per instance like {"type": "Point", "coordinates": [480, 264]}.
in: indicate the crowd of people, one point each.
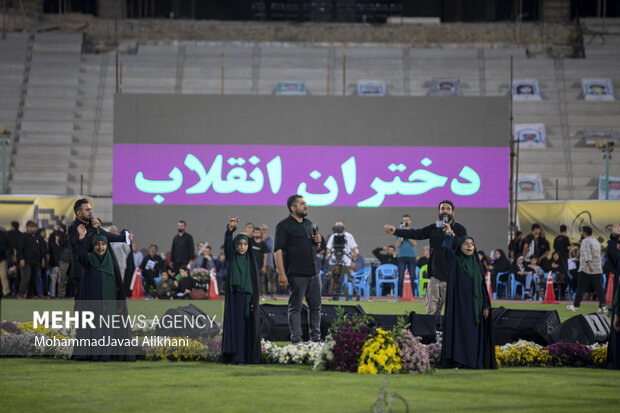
{"type": "Point", "coordinates": [89, 263]}
{"type": "Point", "coordinates": [38, 265]}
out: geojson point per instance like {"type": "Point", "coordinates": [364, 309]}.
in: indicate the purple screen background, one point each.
{"type": "Point", "coordinates": [156, 161]}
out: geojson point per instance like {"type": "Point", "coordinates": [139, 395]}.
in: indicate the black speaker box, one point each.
{"type": "Point", "coordinates": [426, 326]}
{"type": "Point", "coordinates": [274, 320]}
{"type": "Point", "coordinates": [532, 325]}
{"type": "Point", "coordinates": [583, 329]}
{"type": "Point", "coordinates": [189, 312]}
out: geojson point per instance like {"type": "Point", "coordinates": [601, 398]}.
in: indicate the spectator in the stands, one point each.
{"type": "Point", "coordinates": [150, 267]}
{"type": "Point", "coordinates": [560, 268]}
{"type": "Point", "coordinates": [531, 244]}
{"type": "Point", "coordinates": [423, 260]}
{"type": "Point", "coordinates": [539, 277]}
{"type": "Point", "coordinates": [515, 247]}
{"type": "Point", "coordinates": [406, 253]}
{"type": "Point", "coordinates": [165, 287]}
{"type": "Point", "coordinates": [499, 264]}
{"type": "Point", "coordinates": [522, 275]}
{"type": "Point", "coordinates": [386, 255]}
{"type": "Point", "coordinates": [185, 285]}
{"type": "Point", "coordinates": [137, 255]}
{"type": "Point", "coordinates": [205, 259]}
{"type": "Point", "coordinates": [485, 261]}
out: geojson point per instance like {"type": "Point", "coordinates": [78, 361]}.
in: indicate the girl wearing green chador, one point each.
{"type": "Point", "coordinates": [101, 293]}
{"type": "Point", "coordinates": [467, 328]}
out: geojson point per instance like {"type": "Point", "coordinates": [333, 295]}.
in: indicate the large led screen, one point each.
{"type": "Point", "coordinates": [203, 158]}
{"type": "Point", "coordinates": [353, 176]}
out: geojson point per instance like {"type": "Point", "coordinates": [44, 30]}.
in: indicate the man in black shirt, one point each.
{"type": "Point", "coordinates": [261, 252]}
{"type": "Point", "coordinates": [515, 246]}
{"type": "Point", "coordinates": [182, 247]}
{"type": "Point", "coordinates": [561, 244]}
{"type": "Point", "coordinates": [386, 255]}
{"type": "Point", "coordinates": [31, 256]}
{"type": "Point", "coordinates": [295, 252]}
{"type": "Point", "coordinates": [531, 244]}
{"type": "Point", "coordinates": [150, 267]}
{"type": "Point", "coordinates": [437, 267]}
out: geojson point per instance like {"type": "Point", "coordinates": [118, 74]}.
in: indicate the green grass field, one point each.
{"type": "Point", "coordinates": [59, 385]}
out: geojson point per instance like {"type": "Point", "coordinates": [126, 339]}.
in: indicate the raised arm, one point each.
{"type": "Point", "coordinates": [228, 237]}
{"type": "Point", "coordinates": [422, 233]}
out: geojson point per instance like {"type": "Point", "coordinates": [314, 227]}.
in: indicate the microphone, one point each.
{"type": "Point", "coordinates": [444, 219]}
{"type": "Point", "coordinates": [315, 229]}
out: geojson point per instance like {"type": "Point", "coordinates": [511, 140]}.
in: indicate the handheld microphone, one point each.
{"type": "Point", "coordinates": [315, 229]}
{"type": "Point", "coordinates": [444, 219]}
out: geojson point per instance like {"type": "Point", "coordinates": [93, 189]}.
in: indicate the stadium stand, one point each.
{"type": "Point", "coordinates": [58, 100]}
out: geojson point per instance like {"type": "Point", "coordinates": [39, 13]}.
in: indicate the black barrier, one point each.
{"type": "Point", "coordinates": [583, 329]}
{"type": "Point", "coordinates": [532, 325]}
{"type": "Point", "coordinates": [198, 324]}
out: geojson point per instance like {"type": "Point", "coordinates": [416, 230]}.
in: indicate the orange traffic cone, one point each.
{"type": "Point", "coordinates": [213, 291]}
{"type": "Point", "coordinates": [609, 297]}
{"type": "Point", "coordinates": [549, 294]}
{"type": "Point", "coordinates": [407, 293]}
{"type": "Point", "coordinates": [136, 281]}
{"type": "Point", "coordinates": [487, 279]}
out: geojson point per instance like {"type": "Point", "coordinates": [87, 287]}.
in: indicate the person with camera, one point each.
{"type": "Point", "coordinates": [406, 254]}
{"type": "Point", "coordinates": [295, 251]}
{"type": "Point", "coordinates": [437, 267]}
{"type": "Point", "coordinates": [342, 253]}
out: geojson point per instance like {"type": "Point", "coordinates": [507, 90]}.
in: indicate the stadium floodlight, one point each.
{"type": "Point", "coordinates": [607, 147]}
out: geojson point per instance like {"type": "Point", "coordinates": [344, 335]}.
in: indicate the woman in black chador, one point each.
{"type": "Point", "coordinates": [241, 335]}
{"type": "Point", "coordinates": [101, 291]}
{"type": "Point", "coordinates": [467, 334]}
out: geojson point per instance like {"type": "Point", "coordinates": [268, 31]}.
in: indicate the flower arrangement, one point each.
{"type": "Point", "coordinates": [414, 355]}
{"type": "Point", "coordinates": [569, 354]}
{"type": "Point", "coordinates": [202, 275]}
{"type": "Point", "coordinates": [522, 353]}
{"type": "Point", "coordinates": [19, 339]}
{"type": "Point", "coordinates": [380, 354]}
{"type": "Point", "coordinates": [9, 327]}
{"type": "Point", "coordinates": [349, 332]}
{"type": "Point", "coordinates": [302, 353]}
{"type": "Point", "coordinates": [213, 345]}
{"type": "Point", "coordinates": [434, 353]}
{"type": "Point", "coordinates": [599, 354]}
{"type": "Point", "coordinates": [326, 354]}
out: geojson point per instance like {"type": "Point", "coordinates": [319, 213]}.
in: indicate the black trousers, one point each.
{"type": "Point", "coordinates": [584, 282]}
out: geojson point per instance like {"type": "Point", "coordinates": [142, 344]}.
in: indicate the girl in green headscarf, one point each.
{"type": "Point", "coordinates": [467, 336]}
{"type": "Point", "coordinates": [241, 333]}
{"type": "Point", "coordinates": [101, 260]}
{"type": "Point", "coordinates": [100, 293]}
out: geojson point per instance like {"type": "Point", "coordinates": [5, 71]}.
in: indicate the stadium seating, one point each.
{"type": "Point", "coordinates": [58, 100]}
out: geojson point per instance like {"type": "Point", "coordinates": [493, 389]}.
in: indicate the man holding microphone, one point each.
{"type": "Point", "coordinates": [437, 267]}
{"type": "Point", "coordinates": [295, 252]}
